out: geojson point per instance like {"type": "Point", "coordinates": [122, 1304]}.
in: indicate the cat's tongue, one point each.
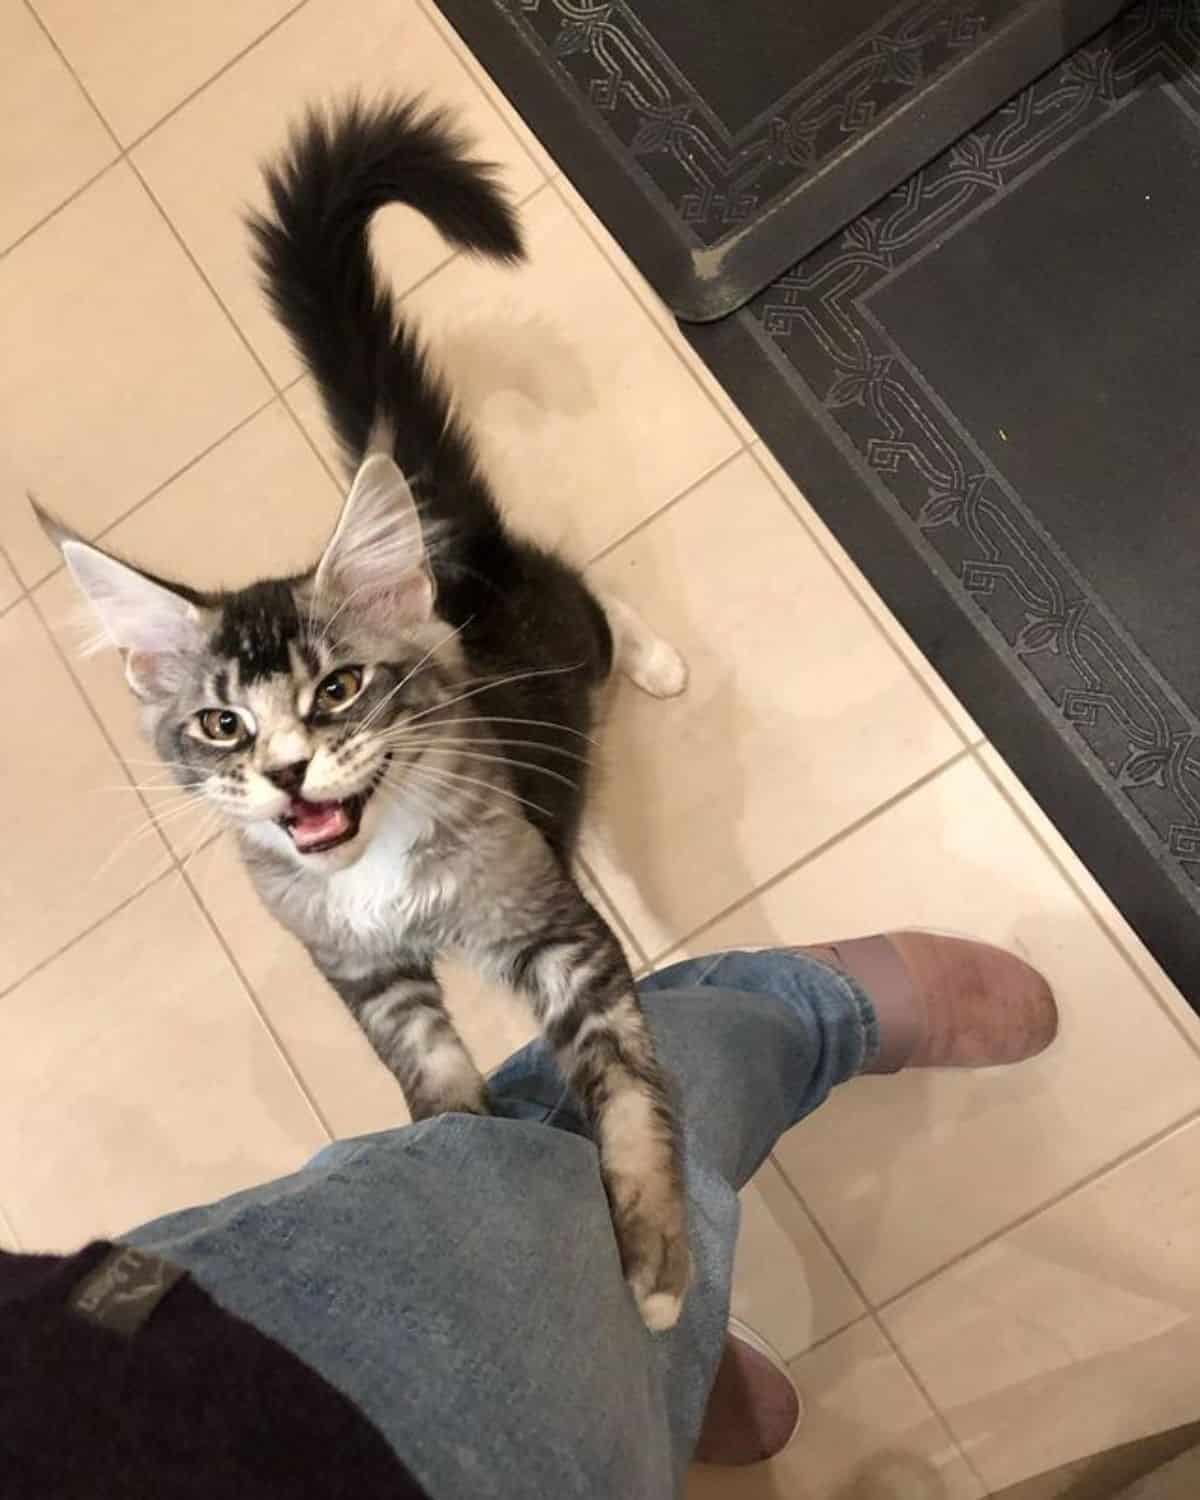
{"type": "Point", "coordinates": [314, 823]}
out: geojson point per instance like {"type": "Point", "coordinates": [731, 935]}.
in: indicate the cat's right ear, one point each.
{"type": "Point", "coordinates": [155, 628]}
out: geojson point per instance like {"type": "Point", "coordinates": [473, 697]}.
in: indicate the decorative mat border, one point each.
{"type": "Point", "coordinates": [716, 180]}
{"type": "Point", "coordinates": [1104, 692]}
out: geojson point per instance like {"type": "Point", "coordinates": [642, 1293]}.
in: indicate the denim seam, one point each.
{"type": "Point", "coordinates": [864, 1012]}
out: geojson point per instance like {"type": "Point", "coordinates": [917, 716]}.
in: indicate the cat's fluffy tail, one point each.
{"type": "Point", "coordinates": [313, 252]}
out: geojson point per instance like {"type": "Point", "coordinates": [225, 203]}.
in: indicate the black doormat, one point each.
{"type": "Point", "coordinates": [720, 140]}
{"type": "Point", "coordinates": [989, 387]}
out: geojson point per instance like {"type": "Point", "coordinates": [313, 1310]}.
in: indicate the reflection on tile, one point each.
{"type": "Point", "coordinates": [586, 422]}
{"type": "Point", "coordinates": [258, 505]}
{"type": "Point", "coordinates": [1169, 1462]}
{"type": "Point", "coordinates": [72, 848]}
{"type": "Point", "coordinates": [50, 139]}
{"type": "Point", "coordinates": [120, 366]}
{"type": "Point", "coordinates": [138, 1065]}
{"type": "Point", "coordinates": [497, 97]}
{"type": "Point", "coordinates": [868, 1434]}
{"type": "Point", "coordinates": [906, 1172]}
{"type": "Point", "coordinates": [138, 61]}
{"type": "Point", "coordinates": [305, 400]}
{"type": "Point", "coordinates": [353, 1090]}
{"type": "Point", "coordinates": [202, 164]}
{"type": "Point", "coordinates": [786, 1284]}
{"type": "Point", "coordinates": [1088, 1316]}
{"type": "Point", "coordinates": [654, 305]}
{"type": "Point", "coordinates": [849, 570]}
{"type": "Point", "coordinates": [798, 718]}
{"type": "Point", "coordinates": [1093, 893]}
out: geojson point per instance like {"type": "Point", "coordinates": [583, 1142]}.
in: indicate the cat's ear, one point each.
{"type": "Point", "coordinates": [154, 627]}
{"type": "Point", "coordinates": [376, 560]}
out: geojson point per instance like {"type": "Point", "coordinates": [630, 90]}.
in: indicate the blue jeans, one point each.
{"type": "Point", "coordinates": [459, 1280]}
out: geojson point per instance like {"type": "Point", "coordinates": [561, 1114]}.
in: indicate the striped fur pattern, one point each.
{"type": "Point", "coordinates": [401, 736]}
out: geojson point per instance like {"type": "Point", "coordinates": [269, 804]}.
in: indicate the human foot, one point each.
{"type": "Point", "coordinates": [945, 1002]}
{"type": "Point", "coordinates": [754, 1408]}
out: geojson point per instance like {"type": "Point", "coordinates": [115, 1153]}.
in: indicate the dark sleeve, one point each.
{"type": "Point", "coordinates": [122, 1379]}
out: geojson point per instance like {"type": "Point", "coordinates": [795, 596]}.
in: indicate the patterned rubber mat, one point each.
{"type": "Point", "coordinates": [721, 141]}
{"type": "Point", "coordinates": [987, 387]}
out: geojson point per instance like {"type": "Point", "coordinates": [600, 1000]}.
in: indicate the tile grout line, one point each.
{"type": "Point", "coordinates": [59, 207]}
{"type": "Point", "coordinates": [279, 394]}
{"type": "Point", "coordinates": [85, 932]}
{"type": "Point", "coordinates": [174, 866]}
{"type": "Point", "coordinates": [163, 484]}
{"type": "Point", "coordinates": [122, 148]}
{"type": "Point", "coordinates": [399, 298]}
{"type": "Point", "coordinates": [1055, 1200]}
{"type": "Point", "coordinates": [943, 1419]}
{"type": "Point", "coordinates": [21, 595]}
{"type": "Point", "coordinates": [827, 1338]}
{"type": "Point", "coordinates": [886, 806]}
{"type": "Point", "coordinates": [185, 468]}
{"type": "Point", "coordinates": [423, 10]}
{"type": "Point", "coordinates": [124, 155]}
{"type": "Point", "coordinates": [790, 1188]}
{"type": "Point", "coordinates": [79, 83]}
{"type": "Point", "coordinates": [151, 821]}
{"type": "Point", "coordinates": [623, 927]}
{"type": "Point", "coordinates": [638, 296]}
{"type": "Point", "coordinates": [857, 594]}
{"type": "Point", "coordinates": [175, 233]}
{"type": "Point", "coordinates": [212, 78]}
{"type": "Point", "coordinates": [125, 149]}
{"type": "Point", "coordinates": [877, 1312]}
{"type": "Point", "coordinates": [1131, 963]}
{"type": "Point", "coordinates": [871, 1314]}
{"type": "Point", "coordinates": [639, 526]}
{"type": "Point", "coordinates": [252, 995]}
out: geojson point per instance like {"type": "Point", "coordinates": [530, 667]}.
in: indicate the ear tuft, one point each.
{"type": "Point", "coordinates": [154, 626]}
{"type": "Point", "coordinates": [377, 560]}
{"type": "Point", "coordinates": [56, 532]}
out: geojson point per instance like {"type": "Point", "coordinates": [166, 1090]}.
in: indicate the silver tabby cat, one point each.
{"type": "Point", "coordinates": [400, 735]}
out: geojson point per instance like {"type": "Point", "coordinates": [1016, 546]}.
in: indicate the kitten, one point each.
{"type": "Point", "coordinates": [400, 735]}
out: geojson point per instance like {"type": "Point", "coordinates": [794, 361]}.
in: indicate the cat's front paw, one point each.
{"type": "Point", "coordinates": [465, 1099]}
{"type": "Point", "coordinates": [652, 1236]}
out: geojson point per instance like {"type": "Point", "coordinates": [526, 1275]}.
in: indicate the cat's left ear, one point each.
{"type": "Point", "coordinates": [156, 627]}
{"type": "Point", "coordinates": [376, 560]}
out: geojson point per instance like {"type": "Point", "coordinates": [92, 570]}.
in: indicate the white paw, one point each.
{"type": "Point", "coordinates": [660, 1310]}
{"type": "Point", "coordinates": [658, 669]}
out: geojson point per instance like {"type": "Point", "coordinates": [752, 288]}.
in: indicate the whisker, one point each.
{"type": "Point", "coordinates": [533, 724]}
{"type": "Point", "coordinates": [494, 682]}
{"type": "Point", "coordinates": [126, 844]}
{"type": "Point", "coordinates": [457, 741]}
{"type": "Point", "coordinates": [505, 760]}
{"type": "Point", "coordinates": [144, 786]}
{"type": "Point", "coordinates": [409, 675]}
{"type": "Point", "coordinates": [488, 786]}
{"type": "Point", "coordinates": [423, 802]}
{"type": "Point", "coordinates": [445, 816]}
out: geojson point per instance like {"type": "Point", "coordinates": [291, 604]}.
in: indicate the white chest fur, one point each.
{"type": "Point", "coordinates": [395, 895]}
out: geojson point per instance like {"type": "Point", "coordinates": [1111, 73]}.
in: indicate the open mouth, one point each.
{"type": "Point", "coordinates": [316, 827]}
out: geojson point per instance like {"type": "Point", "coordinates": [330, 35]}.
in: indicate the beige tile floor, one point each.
{"type": "Point", "coordinates": [978, 1278]}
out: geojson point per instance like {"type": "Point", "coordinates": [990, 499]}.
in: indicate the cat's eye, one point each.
{"type": "Point", "coordinates": [221, 725]}
{"type": "Point", "coordinates": [338, 689]}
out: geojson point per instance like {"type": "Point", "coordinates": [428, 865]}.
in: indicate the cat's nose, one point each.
{"type": "Point", "coordinates": [289, 779]}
